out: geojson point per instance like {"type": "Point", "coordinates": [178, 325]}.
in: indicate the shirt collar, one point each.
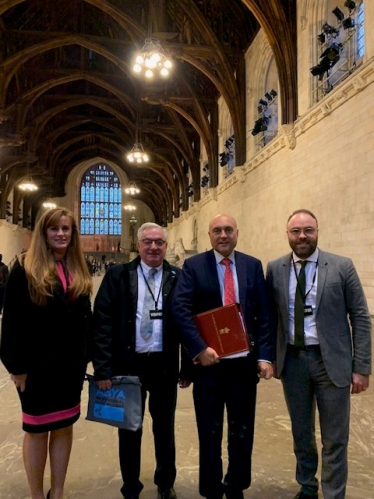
{"type": "Point", "coordinates": [220, 257]}
{"type": "Point", "coordinates": [146, 268]}
{"type": "Point", "coordinates": [312, 258]}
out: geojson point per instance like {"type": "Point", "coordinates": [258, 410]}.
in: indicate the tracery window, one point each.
{"type": "Point", "coordinates": [341, 46]}
{"type": "Point", "coordinates": [100, 202]}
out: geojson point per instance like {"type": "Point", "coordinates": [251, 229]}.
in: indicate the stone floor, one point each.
{"type": "Point", "coordinates": [94, 471]}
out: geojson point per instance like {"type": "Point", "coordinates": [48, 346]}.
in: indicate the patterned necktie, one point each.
{"type": "Point", "coordinates": [146, 324]}
{"type": "Point", "coordinates": [299, 306]}
{"type": "Point", "coordinates": [228, 283]}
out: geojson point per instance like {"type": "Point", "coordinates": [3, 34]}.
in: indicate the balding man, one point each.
{"type": "Point", "coordinates": [232, 381]}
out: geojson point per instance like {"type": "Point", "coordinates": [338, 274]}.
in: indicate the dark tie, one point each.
{"type": "Point", "coordinates": [299, 306]}
{"type": "Point", "coordinates": [228, 283]}
{"type": "Point", "coordinates": [146, 325]}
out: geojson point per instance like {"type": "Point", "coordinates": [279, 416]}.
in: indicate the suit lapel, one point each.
{"type": "Point", "coordinates": [241, 273]}
{"type": "Point", "coordinates": [211, 275]}
{"type": "Point", "coordinates": [322, 275]}
{"type": "Point", "coordinates": [286, 267]}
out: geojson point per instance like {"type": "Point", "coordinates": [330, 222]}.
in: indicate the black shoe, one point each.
{"type": "Point", "coordinates": [49, 491]}
{"type": "Point", "coordinates": [166, 493]}
{"type": "Point", "coordinates": [304, 495]}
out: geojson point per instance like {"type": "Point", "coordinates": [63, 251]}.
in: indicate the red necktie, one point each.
{"type": "Point", "coordinates": [228, 283]}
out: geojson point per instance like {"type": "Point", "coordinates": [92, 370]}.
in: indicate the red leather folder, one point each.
{"type": "Point", "coordinates": [224, 329]}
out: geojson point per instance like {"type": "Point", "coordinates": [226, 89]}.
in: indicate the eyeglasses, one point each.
{"type": "Point", "coordinates": [308, 231]}
{"type": "Point", "coordinates": [148, 242]}
{"type": "Point", "coordinates": [227, 230]}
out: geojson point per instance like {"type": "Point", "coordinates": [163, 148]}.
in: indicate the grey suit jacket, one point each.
{"type": "Point", "coordinates": [342, 316]}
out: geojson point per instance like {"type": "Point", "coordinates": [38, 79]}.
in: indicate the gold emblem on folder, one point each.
{"type": "Point", "coordinates": [224, 330]}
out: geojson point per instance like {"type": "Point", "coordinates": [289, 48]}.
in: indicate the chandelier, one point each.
{"type": "Point", "coordinates": [132, 189]}
{"type": "Point", "coordinates": [28, 185]}
{"type": "Point", "coordinates": [152, 60]}
{"type": "Point", "coordinates": [137, 154]}
{"type": "Point", "coordinates": [48, 205]}
{"type": "Point", "coordinates": [129, 207]}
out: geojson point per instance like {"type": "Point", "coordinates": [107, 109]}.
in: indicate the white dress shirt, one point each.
{"type": "Point", "coordinates": [154, 343]}
{"type": "Point", "coordinates": [311, 277]}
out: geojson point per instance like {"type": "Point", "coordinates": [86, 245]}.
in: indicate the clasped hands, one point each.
{"type": "Point", "coordinates": [209, 357]}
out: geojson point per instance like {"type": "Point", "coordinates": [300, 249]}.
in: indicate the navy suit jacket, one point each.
{"type": "Point", "coordinates": [198, 290]}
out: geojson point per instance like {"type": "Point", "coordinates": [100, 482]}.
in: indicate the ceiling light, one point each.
{"type": "Point", "coordinates": [28, 185]}
{"type": "Point", "coordinates": [129, 207]}
{"type": "Point", "coordinates": [48, 205]}
{"type": "Point", "coordinates": [137, 154]}
{"type": "Point", "coordinates": [152, 60]}
{"type": "Point", "coordinates": [132, 189]}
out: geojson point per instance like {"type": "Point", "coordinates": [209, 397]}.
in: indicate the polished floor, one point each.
{"type": "Point", "coordinates": [94, 471]}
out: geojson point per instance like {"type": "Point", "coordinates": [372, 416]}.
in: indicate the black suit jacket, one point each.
{"type": "Point", "coordinates": [115, 321]}
{"type": "Point", "coordinates": [198, 291]}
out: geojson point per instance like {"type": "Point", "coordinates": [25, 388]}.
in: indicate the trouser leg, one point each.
{"type": "Point", "coordinates": [300, 399]}
{"type": "Point", "coordinates": [209, 409]}
{"type": "Point", "coordinates": [240, 384]}
{"type": "Point", "coordinates": [162, 403]}
{"type": "Point", "coordinates": [334, 409]}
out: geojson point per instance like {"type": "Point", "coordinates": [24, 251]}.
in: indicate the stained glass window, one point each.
{"type": "Point", "coordinates": [100, 202]}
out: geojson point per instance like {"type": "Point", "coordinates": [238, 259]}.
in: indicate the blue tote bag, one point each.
{"type": "Point", "coordinates": [121, 406]}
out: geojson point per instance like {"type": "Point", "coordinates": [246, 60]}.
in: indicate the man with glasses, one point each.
{"type": "Point", "coordinates": [135, 335]}
{"type": "Point", "coordinates": [210, 280]}
{"type": "Point", "coordinates": [323, 351]}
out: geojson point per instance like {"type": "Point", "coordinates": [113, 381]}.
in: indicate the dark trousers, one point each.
{"type": "Point", "coordinates": [307, 385]}
{"type": "Point", "coordinates": [162, 389]}
{"type": "Point", "coordinates": [231, 383]}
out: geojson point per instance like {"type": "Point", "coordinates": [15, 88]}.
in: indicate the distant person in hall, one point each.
{"type": "Point", "coordinates": [3, 278]}
{"type": "Point", "coordinates": [323, 351]}
{"type": "Point", "coordinates": [45, 344]}
{"type": "Point", "coordinates": [135, 335]}
{"type": "Point", "coordinates": [209, 280]}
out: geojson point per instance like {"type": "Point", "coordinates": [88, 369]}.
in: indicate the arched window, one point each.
{"type": "Point", "coordinates": [341, 45]}
{"type": "Point", "coordinates": [101, 201]}
{"type": "Point", "coordinates": [360, 30]}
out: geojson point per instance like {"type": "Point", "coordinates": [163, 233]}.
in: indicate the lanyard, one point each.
{"type": "Point", "coordinates": [298, 282]}
{"type": "Point", "coordinates": [149, 289]}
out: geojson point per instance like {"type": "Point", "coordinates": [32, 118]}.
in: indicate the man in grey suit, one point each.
{"type": "Point", "coordinates": [323, 350]}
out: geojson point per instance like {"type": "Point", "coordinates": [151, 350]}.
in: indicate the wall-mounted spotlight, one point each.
{"type": "Point", "coordinates": [263, 102]}
{"type": "Point", "coordinates": [330, 30]}
{"type": "Point", "coordinates": [333, 53]}
{"type": "Point", "coordinates": [350, 4]}
{"type": "Point", "coordinates": [321, 38]}
{"type": "Point", "coordinates": [223, 159]}
{"type": "Point", "coordinates": [268, 96]}
{"type": "Point", "coordinates": [273, 93]}
{"type": "Point", "coordinates": [206, 168]}
{"type": "Point", "coordinates": [348, 23]}
{"type": "Point", "coordinates": [260, 125]}
{"type": "Point", "coordinates": [204, 181]}
{"type": "Point", "coordinates": [339, 14]}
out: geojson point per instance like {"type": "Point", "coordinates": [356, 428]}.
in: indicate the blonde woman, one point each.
{"type": "Point", "coordinates": [45, 344]}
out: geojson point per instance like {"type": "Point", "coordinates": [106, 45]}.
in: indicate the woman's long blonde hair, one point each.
{"type": "Point", "coordinates": [40, 265]}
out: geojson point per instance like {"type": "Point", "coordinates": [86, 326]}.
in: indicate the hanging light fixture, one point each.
{"type": "Point", "coordinates": [48, 205]}
{"type": "Point", "coordinates": [137, 154]}
{"type": "Point", "coordinates": [28, 185]}
{"type": "Point", "coordinates": [152, 60]}
{"type": "Point", "coordinates": [132, 189]}
{"type": "Point", "coordinates": [129, 207]}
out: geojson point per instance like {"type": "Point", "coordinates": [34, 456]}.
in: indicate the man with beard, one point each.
{"type": "Point", "coordinates": [323, 349]}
